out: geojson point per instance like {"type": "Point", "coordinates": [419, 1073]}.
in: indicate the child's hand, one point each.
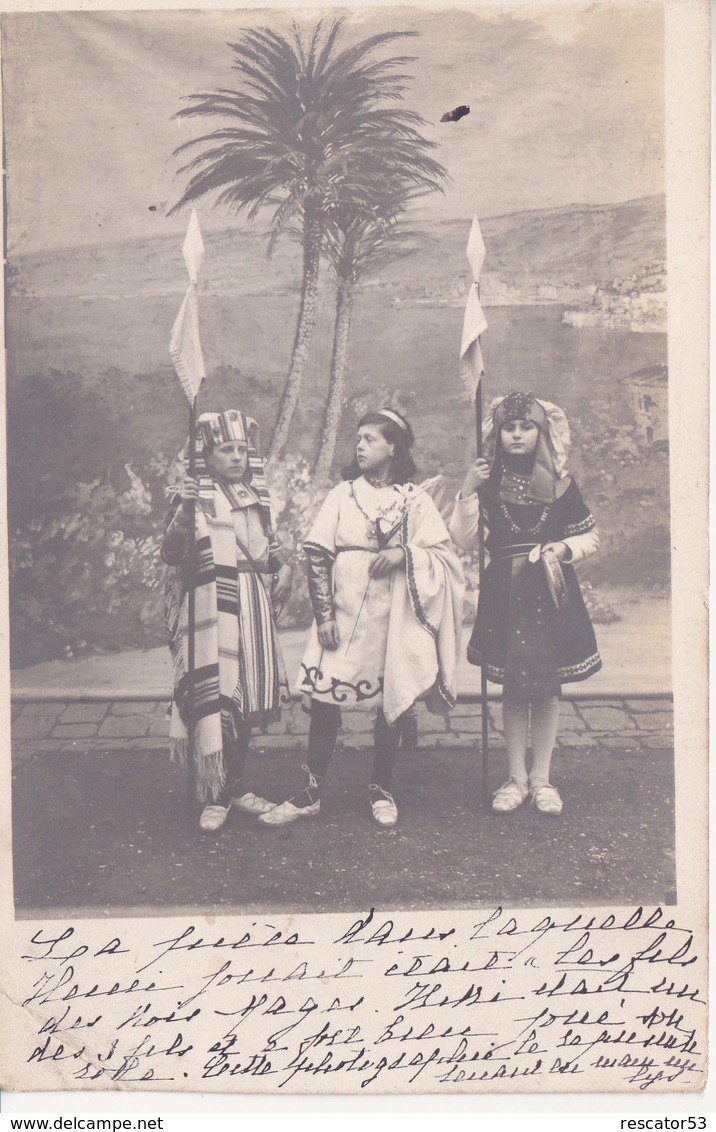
{"type": "Point", "coordinates": [328, 635]}
{"type": "Point", "coordinates": [189, 493]}
{"type": "Point", "coordinates": [559, 549]}
{"type": "Point", "coordinates": [282, 585]}
{"type": "Point", "coordinates": [386, 561]}
{"type": "Point", "coordinates": [476, 476]}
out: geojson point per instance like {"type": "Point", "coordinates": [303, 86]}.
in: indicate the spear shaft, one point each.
{"type": "Point", "coordinates": [481, 571]}
{"type": "Point", "coordinates": [472, 369]}
{"type": "Point", "coordinates": [186, 353]}
{"type": "Point", "coordinates": [191, 628]}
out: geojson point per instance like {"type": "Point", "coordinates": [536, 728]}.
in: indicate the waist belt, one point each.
{"type": "Point", "coordinates": [252, 568]}
{"type": "Point", "coordinates": [554, 577]}
{"type": "Point", "coordinates": [515, 550]}
{"type": "Point", "coordinates": [369, 549]}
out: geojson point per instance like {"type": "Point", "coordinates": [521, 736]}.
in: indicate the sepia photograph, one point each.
{"type": "Point", "coordinates": [339, 365]}
{"type": "Point", "coordinates": [333, 167]}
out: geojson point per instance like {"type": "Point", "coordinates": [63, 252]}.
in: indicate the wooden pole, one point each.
{"type": "Point", "coordinates": [481, 573]}
{"type": "Point", "coordinates": [191, 629]}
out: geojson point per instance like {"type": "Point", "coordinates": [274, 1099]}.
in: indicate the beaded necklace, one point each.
{"type": "Point", "coordinates": [373, 520]}
{"type": "Point", "coordinates": [517, 486]}
{"type": "Point", "coordinates": [517, 529]}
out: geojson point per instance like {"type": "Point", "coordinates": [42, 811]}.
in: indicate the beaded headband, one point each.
{"type": "Point", "coordinates": [515, 407]}
{"type": "Point", "coordinates": [395, 419]}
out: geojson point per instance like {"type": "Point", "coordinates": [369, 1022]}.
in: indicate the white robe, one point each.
{"type": "Point", "coordinates": [398, 635]}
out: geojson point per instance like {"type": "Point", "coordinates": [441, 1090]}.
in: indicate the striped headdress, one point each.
{"type": "Point", "coordinates": [213, 429]}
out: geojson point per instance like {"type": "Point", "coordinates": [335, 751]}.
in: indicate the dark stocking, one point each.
{"type": "Point", "coordinates": [322, 735]}
{"type": "Point", "coordinates": [236, 748]}
{"type": "Point", "coordinates": [387, 739]}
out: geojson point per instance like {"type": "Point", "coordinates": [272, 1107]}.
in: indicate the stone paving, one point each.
{"type": "Point", "coordinates": [637, 723]}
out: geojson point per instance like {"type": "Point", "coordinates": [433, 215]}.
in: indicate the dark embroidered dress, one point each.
{"type": "Point", "coordinates": [521, 637]}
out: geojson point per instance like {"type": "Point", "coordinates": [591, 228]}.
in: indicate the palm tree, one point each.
{"type": "Point", "coordinates": [360, 240]}
{"type": "Point", "coordinates": [294, 132]}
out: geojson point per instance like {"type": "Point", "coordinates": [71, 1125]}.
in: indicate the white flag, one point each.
{"type": "Point", "coordinates": [471, 364]}
{"type": "Point", "coordinates": [185, 344]}
{"type": "Point", "coordinates": [193, 248]}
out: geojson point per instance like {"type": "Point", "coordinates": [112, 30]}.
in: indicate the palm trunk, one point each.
{"type": "Point", "coordinates": [302, 341]}
{"type": "Point", "coordinates": [345, 298]}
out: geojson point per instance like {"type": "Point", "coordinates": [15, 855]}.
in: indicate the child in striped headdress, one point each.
{"type": "Point", "coordinates": [239, 573]}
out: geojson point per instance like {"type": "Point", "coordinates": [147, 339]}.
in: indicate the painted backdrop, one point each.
{"type": "Point", "coordinates": [560, 156]}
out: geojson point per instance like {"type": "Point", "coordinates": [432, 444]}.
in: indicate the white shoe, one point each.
{"type": "Point", "coordinates": [385, 811]}
{"type": "Point", "coordinates": [547, 800]}
{"type": "Point", "coordinates": [251, 804]}
{"type": "Point", "coordinates": [509, 797]}
{"type": "Point", "coordinates": [213, 817]}
{"type": "Point", "coordinates": [286, 812]}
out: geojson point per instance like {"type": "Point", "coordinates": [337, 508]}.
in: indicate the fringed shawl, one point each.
{"type": "Point", "coordinates": [237, 669]}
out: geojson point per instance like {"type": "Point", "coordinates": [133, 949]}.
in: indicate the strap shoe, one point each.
{"type": "Point", "coordinates": [547, 800]}
{"type": "Point", "coordinates": [212, 818]}
{"type": "Point", "coordinates": [382, 804]}
{"type": "Point", "coordinates": [509, 797]}
{"type": "Point", "coordinates": [286, 812]}
{"type": "Point", "coordinates": [251, 804]}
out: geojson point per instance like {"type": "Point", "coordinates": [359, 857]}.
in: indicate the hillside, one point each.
{"type": "Point", "coordinates": [96, 414]}
{"type": "Point", "coordinates": [102, 317]}
{"type": "Point", "coordinates": [586, 243]}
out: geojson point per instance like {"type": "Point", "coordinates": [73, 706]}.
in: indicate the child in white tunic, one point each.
{"type": "Point", "coordinates": [386, 588]}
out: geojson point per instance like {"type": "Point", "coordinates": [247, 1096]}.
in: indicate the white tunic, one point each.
{"type": "Point", "coordinates": [388, 639]}
{"type": "Point", "coordinates": [345, 528]}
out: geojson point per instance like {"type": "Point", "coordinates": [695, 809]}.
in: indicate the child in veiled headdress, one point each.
{"type": "Point", "coordinates": [238, 573]}
{"type": "Point", "coordinates": [533, 632]}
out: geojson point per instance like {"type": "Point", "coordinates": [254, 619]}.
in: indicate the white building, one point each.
{"type": "Point", "coordinates": [648, 394]}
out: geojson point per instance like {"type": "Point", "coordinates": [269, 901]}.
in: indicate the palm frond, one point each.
{"type": "Point", "coordinates": [311, 128]}
{"type": "Point", "coordinates": [328, 45]}
{"type": "Point", "coordinates": [348, 59]}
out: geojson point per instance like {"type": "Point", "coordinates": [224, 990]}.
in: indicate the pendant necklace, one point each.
{"type": "Point", "coordinates": [383, 512]}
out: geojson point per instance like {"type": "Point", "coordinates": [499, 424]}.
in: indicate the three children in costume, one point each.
{"type": "Point", "coordinates": [386, 589]}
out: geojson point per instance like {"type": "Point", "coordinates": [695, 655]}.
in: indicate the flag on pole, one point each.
{"type": "Point", "coordinates": [471, 363]}
{"type": "Point", "coordinates": [471, 370]}
{"type": "Point", "coordinates": [185, 344]}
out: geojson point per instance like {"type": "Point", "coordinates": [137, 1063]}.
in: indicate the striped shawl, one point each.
{"type": "Point", "coordinates": [236, 658]}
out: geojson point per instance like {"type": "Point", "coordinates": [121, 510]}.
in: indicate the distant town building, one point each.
{"type": "Point", "coordinates": [458, 285]}
{"type": "Point", "coordinates": [548, 291]}
{"type": "Point", "coordinates": [647, 391]}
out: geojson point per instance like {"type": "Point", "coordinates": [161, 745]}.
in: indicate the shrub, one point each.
{"type": "Point", "coordinates": [87, 566]}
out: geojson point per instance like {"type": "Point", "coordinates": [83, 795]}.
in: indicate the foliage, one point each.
{"type": "Point", "coordinates": [87, 565]}
{"type": "Point", "coordinates": [297, 497]}
{"type": "Point", "coordinates": [84, 561]}
{"type": "Point", "coordinates": [295, 133]}
{"type": "Point", "coordinates": [626, 483]}
{"type": "Point", "coordinates": [85, 569]}
{"type": "Point", "coordinates": [379, 396]}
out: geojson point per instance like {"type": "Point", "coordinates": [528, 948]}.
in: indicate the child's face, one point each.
{"type": "Point", "coordinates": [228, 462]}
{"type": "Point", "coordinates": [519, 438]}
{"type": "Point", "coordinates": [373, 451]}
